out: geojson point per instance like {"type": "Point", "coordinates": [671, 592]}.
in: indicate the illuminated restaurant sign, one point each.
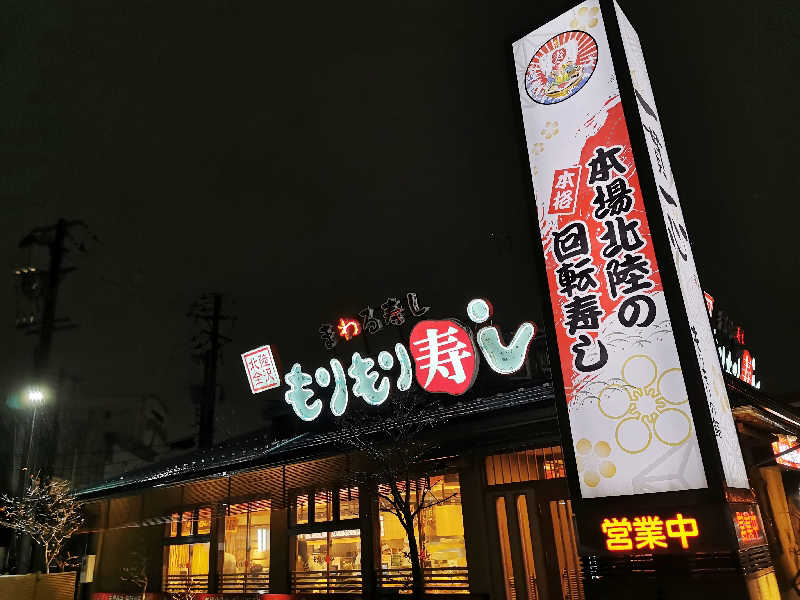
{"type": "Point", "coordinates": [445, 356]}
{"type": "Point", "coordinates": [625, 386]}
{"type": "Point", "coordinates": [747, 522]}
{"type": "Point", "coordinates": [787, 459]}
{"type": "Point", "coordinates": [648, 533]}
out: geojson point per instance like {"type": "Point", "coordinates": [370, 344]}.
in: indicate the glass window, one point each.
{"type": "Point", "coordinates": [525, 465]}
{"type": "Point", "coordinates": [258, 561]}
{"type": "Point", "coordinates": [245, 566]}
{"type": "Point", "coordinates": [333, 550]}
{"type": "Point", "coordinates": [187, 563]}
{"type": "Point", "coordinates": [173, 525]}
{"type": "Point", "coordinates": [204, 521]}
{"type": "Point", "coordinates": [348, 503]}
{"type": "Point", "coordinates": [186, 523]}
{"type": "Point", "coordinates": [439, 528]}
{"type": "Point", "coordinates": [235, 556]}
{"type": "Point", "coordinates": [345, 550]}
{"type": "Point", "coordinates": [301, 510]}
{"type": "Point", "coordinates": [323, 506]}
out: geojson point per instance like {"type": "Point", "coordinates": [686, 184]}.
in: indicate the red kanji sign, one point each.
{"type": "Point", "coordinates": [565, 191]}
{"type": "Point", "coordinates": [748, 527]}
{"type": "Point", "coordinates": [261, 370]}
{"type": "Point", "coordinates": [445, 356]}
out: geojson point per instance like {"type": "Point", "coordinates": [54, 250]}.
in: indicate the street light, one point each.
{"type": "Point", "coordinates": [35, 396]}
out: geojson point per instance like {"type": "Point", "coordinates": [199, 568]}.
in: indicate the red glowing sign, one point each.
{"type": "Point", "coordinates": [648, 532]}
{"type": "Point", "coordinates": [748, 526]}
{"type": "Point", "coordinates": [739, 335]}
{"type": "Point", "coordinates": [348, 328]}
{"type": "Point", "coordinates": [790, 459]}
{"type": "Point", "coordinates": [445, 356]}
{"type": "Point", "coordinates": [747, 367]}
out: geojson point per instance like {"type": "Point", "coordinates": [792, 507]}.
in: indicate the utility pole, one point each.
{"type": "Point", "coordinates": [209, 343]}
{"type": "Point", "coordinates": [55, 239]}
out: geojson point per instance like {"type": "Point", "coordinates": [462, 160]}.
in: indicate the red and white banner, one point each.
{"type": "Point", "coordinates": [631, 423]}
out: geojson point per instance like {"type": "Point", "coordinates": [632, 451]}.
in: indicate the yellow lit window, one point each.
{"type": "Point", "coordinates": [348, 503]}
{"type": "Point", "coordinates": [204, 521]}
{"type": "Point", "coordinates": [332, 550]}
{"type": "Point", "coordinates": [187, 522]}
{"type": "Point", "coordinates": [173, 525]}
{"type": "Point", "coordinates": [235, 557]}
{"type": "Point", "coordinates": [439, 528]}
{"type": "Point", "coordinates": [258, 562]}
{"type": "Point", "coordinates": [301, 510]}
{"type": "Point", "coordinates": [525, 465]}
{"type": "Point", "coordinates": [323, 506]}
{"type": "Point", "coordinates": [186, 564]}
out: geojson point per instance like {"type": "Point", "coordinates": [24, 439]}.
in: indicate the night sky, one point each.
{"type": "Point", "coordinates": [307, 160]}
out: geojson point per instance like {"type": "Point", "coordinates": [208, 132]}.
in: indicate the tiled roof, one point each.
{"type": "Point", "coordinates": [261, 450]}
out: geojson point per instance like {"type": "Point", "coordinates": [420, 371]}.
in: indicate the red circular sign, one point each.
{"type": "Point", "coordinates": [561, 67]}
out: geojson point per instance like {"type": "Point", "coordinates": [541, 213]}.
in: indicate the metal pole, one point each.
{"type": "Point", "coordinates": [29, 457]}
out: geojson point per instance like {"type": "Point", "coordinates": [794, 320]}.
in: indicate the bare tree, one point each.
{"type": "Point", "coordinates": [47, 512]}
{"type": "Point", "coordinates": [391, 438]}
{"type": "Point", "coordinates": [135, 572]}
{"type": "Point", "coordinates": [67, 560]}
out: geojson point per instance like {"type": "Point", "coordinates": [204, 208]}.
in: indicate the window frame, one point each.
{"type": "Point", "coordinates": [314, 526]}
{"type": "Point", "coordinates": [192, 537]}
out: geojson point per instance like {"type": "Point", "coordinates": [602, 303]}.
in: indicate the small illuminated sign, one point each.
{"type": "Point", "coordinates": [748, 526]}
{"type": "Point", "coordinates": [790, 459]}
{"type": "Point", "coordinates": [647, 533]}
{"type": "Point", "coordinates": [262, 373]}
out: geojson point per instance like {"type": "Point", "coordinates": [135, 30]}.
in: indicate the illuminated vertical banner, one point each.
{"type": "Point", "coordinates": [693, 297]}
{"type": "Point", "coordinates": [632, 427]}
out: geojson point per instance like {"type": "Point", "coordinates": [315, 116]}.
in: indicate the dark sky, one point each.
{"type": "Point", "coordinates": [308, 159]}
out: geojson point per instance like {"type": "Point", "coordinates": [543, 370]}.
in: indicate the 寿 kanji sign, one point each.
{"type": "Point", "coordinates": [445, 356]}
{"type": "Point", "coordinates": [624, 381]}
{"type": "Point", "coordinates": [445, 360]}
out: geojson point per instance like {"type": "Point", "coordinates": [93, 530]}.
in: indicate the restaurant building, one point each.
{"type": "Point", "coordinates": [620, 455]}
{"type": "Point", "coordinates": [260, 514]}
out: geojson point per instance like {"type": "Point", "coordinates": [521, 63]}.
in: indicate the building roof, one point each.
{"type": "Point", "coordinates": [263, 450]}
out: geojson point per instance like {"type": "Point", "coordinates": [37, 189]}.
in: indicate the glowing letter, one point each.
{"type": "Point", "coordinates": [618, 534]}
{"type": "Point", "coordinates": [502, 359]}
{"type": "Point", "coordinates": [649, 532]}
{"type": "Point", "coordinates": [364, 386]}
{"type": "Point", "coordinates": [348, 328]}
{"type": "Point", "coordinates": [298, 396]}
{"type": "Point", "coordinates": [676, 528]}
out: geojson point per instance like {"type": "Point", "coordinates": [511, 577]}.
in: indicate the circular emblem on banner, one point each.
{"type": "Point", "coordinates": [561, 67]}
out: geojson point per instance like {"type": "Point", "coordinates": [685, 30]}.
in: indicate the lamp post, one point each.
{"type": "Point", "coordinates": [35, 397]}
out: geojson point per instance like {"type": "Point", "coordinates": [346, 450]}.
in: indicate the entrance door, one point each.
{"type": "Point", "coordinates": [536, 539]}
